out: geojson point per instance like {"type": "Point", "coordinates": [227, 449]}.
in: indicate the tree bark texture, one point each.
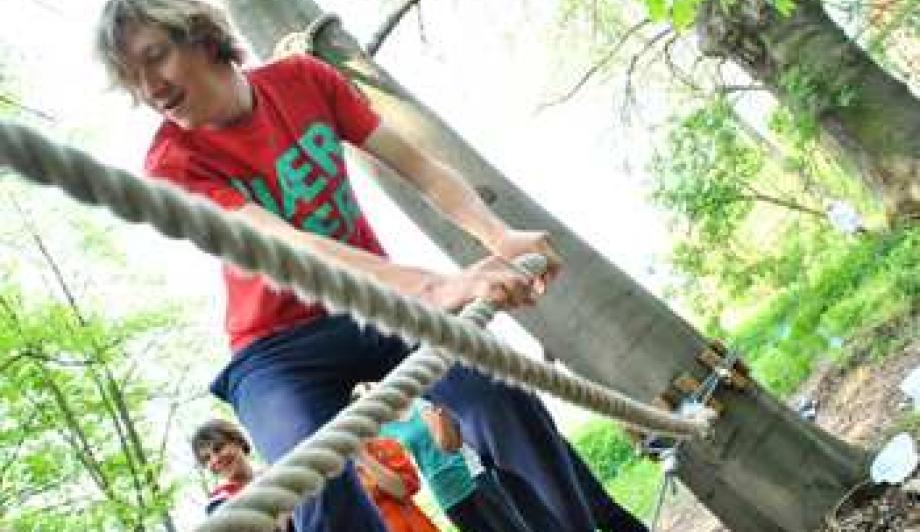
{"type": "Point", "coordinates": [877, 127]}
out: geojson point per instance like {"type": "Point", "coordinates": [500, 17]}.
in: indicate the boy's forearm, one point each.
{"type": "Point", "coordinates": [438, 183]}
{"type": "Point", "coordinates": [459, 202]}
{"type": "Point", "coordinates": [407, 280]}
{"type": "Point", "coordinates": [445, 433]}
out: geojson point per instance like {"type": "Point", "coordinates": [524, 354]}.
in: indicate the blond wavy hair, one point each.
{"type": "Point", "coordinates": [185, 21]}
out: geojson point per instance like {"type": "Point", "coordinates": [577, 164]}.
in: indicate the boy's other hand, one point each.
{"type": "Point", "coordinates": [516, 243]}
{"type": "Point", "coordinates": [494, 279]}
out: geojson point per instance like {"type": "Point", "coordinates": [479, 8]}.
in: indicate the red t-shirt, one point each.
{"type": "Point", "coordinates": [221, 494]}
{"type": "Point", "coordinates": [287, 157]}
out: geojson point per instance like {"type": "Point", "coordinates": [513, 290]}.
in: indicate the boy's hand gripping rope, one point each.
{"type": "Point", "coordinates": [175, 215]}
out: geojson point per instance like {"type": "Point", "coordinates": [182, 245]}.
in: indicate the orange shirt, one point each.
{"type": "Point", "coordinates": [399, 515]}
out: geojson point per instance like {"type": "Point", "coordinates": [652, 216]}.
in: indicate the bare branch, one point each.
{"type": "Point", "coordinates": [49, 258]}
{"type": "Point", "coordinates": [389, 24]}
{"type": "Point", "coordinates": [35, 352]}
{"type": "Point", "coordinates": [629, 95]}
{"type": "Point", "coordinates": [676, 71]}
{"type": "Point", "coordinates": [49, 7]}
{"type": "Point", "coordinates": [779, 202]}
{"type": "Point", "coordinates": [594, 24]}
{"type": "Point", "coordinates": [102, 383]}
{"type": "Point", "coordinates": [727, 89]}
{"type": "Point", "coordinates": [594, 68]}
{"type": "Point", "coordinates": [8, 308]}
{"type": "Point", "coordinates": [719, 73]}
{"type": "Point", "coordinates": [23, 107]}
{"type": "Point", "coordinates": [421, 24]}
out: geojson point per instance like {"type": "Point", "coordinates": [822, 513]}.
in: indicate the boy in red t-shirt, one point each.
{"type": "Point", "coordinates": [265, 144]}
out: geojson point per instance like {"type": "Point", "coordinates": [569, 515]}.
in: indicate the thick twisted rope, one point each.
{"type": "Point", "coordinates": [175, 215]}
{"type": "Point", "coordinates": [304, 41]}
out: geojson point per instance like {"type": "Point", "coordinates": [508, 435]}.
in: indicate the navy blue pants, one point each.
{"type": "Point", "coordinates": [284, 387]}
{"type": "Point", "coordinates": [608, 515]}
{"type": "Point", "coordinates": [487, 509]}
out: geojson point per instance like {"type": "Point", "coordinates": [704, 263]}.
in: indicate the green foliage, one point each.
{"type": "Point", "coordinates": [704, 176]}
{"type": "Point", "coordinates": [657, 9]}
{"type": "Point", "coordinates": [760, 265]}
{"type": "Point", "coordinates": [604, 447]}
{"type": "Point", "coordinates": [730, 204]}
{"type": "Point", "coordinates": [785, 7]}
{"type": "Point", "coordinates": [606, 21]}
{"type": "Point", "coordinates": [74, 447]}
{"type": "Point", "coordinates": [680, 13]}
{"type": "Point", "coordinates": [850, 287]}
{"type": "Point", "coordinates": [611, 456]}
{"type": "Point", "coordinates": [636, 487]}
{"type": "Point", "coordinates": [683, 12]}
{"type": "Point", "coordinates": [806, 96]}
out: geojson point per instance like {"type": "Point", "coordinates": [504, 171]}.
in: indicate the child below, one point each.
{"type": "Point", "coordinates": [389, 477]}
{"type": "Point", "coordinates": [222, 448]}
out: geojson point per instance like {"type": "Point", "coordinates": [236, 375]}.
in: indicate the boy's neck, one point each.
{"type": "Point", "coordinates": [240, 100]}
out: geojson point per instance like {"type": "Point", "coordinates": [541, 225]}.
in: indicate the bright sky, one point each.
{"type": "Point", "coordinates": [485, 77]}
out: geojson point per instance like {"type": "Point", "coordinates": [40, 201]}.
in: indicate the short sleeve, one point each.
{"type": "Point", "coordinates": [398, 461]}
{"type": "Point", "coordinates": [169, 165]}
{"type": "Point", "coordinates": [391, 455]}
{"type": "Point", "coordinates": [404, 467]}
{"type": "Point", "coordinates": [355, 118]}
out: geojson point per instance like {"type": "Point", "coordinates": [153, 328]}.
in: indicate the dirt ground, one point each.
{"type": "Point", "coordinates": [860, 404]}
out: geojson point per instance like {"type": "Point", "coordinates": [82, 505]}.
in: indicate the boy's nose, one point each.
{"type": "Point", "coordinates": [153, 88]}
{"type": "Point", "coordinates": [214, 462]}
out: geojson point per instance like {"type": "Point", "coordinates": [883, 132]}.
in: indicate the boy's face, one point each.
{"type": "Point", "coordinates": [226, 460]}
{"type": "Point", "coordinates": [181, 82]}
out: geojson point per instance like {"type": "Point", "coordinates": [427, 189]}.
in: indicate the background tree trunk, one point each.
{"type": "Point", "coordinates": [878, 128]}
{"type": "Point", "coordinates": [765, 470]}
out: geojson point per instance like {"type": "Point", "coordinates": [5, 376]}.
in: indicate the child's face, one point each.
{"type": "Point", "coordinates": [226, 460]}
{"type": "Point", "coordinates": [181, 82]}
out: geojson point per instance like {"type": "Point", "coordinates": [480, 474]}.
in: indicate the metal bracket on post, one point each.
{"type": "Point", "coordinates": [730, 369]}
{"type": "Point", "coordinates": [686, 385]}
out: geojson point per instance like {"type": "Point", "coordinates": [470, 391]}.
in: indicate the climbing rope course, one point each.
{"type": "Point", "coordinates": [446, 339]}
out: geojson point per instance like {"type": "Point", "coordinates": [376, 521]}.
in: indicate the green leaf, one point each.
{"type": "Point", "coordinates": [785, 7]}
{"type": "Point", "coordinates": [657, 9]}
{"type": "Point", "coordinates": [683, 13]}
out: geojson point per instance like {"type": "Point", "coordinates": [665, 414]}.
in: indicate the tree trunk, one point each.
{"type": "Point", "coordinates": [878, 127]}
{"type": "Point", "coordinates": [765, 470]}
